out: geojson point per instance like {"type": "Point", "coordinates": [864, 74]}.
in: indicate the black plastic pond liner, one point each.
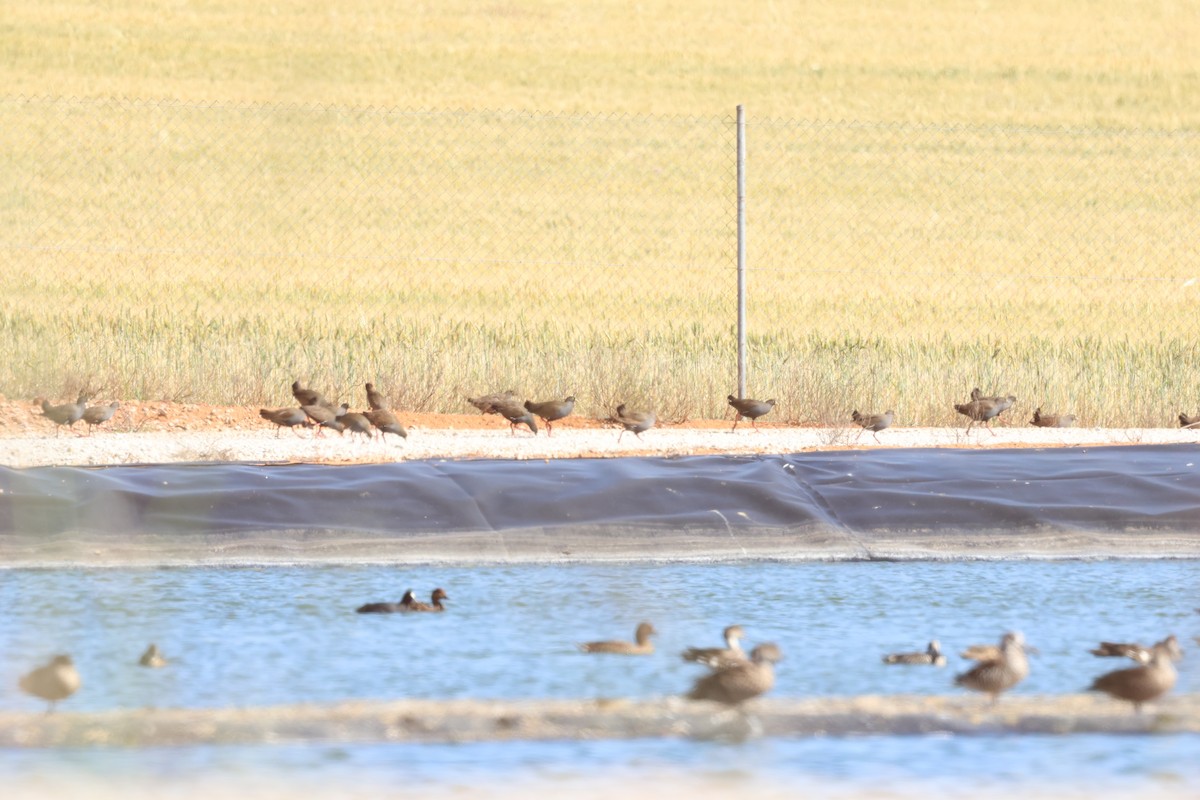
{"type": "Point", "coordinates": [888, 493]}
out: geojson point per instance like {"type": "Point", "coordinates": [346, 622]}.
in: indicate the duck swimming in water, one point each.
{"type": "Point", "coordinates": [639, 647]}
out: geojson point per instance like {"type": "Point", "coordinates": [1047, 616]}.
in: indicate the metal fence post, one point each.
{"type": "Point", "coordinates": [741, 249]}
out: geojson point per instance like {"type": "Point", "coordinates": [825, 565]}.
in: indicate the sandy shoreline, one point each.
{"type": "Point", "coordinates": [514, 720]}
{"type": "Point", "coordinates": [264, 446]}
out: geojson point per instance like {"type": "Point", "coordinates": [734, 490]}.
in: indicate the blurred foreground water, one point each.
{"type": "Point", "coordinates": [867, 767]}
{"type": "Point", "coordinates": [255, 636]}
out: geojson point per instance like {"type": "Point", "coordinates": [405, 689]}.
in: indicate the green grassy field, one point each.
{"type": "Point", "coordinates": [940, 196]}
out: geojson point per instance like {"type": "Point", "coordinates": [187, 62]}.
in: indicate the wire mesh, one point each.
{"type": "Point", "coordinates": [215, 252]}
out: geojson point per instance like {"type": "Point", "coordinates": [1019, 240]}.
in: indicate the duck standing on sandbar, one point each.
{"type": "Point", "coordinates": [740, 682]}
{"type": "Point", "coordinates": [994, 676]}
{"type": "Point", "coordinates": [54, 681]}
{"type": "Point", "coordinates": [1141, 684]}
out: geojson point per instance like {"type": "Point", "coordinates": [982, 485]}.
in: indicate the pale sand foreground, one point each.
{"type": "Point", "coordinates": [512, 720]}
{"type": "Point", "coordinates": [161, 447]}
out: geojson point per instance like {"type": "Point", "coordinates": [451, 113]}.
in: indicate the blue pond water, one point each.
{"type": "Point", "coordinates": [265, 635]}
{"type": "Point", "coordinates": [272, 635]}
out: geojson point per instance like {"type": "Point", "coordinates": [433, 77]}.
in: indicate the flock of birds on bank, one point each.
{"type": "Point", "coordinates": [315, 411]}
{"type": "Point", "coordinates": [735, 676]}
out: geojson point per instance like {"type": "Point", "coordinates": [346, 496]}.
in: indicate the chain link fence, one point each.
{"type": "Point", "coordinates": [215, 252]}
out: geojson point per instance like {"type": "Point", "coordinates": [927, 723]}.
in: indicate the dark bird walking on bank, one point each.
{"type": "Point", "coordinates": [98, 415]}
{"type": "Point", "coordinates": [376, 399]}
{"type": "Point", "coordinates": [872, 422]}
{"type": "Point", "coordinates": [984, 409]}
{"type": "Point", "coordinates": [551, 411]}
{"type": "Point", "coordinates": [1189, 422]}
{"type": "Point", "coordinates": [308, 397]}
{"type": "Point", "coordinates": [285, 418]}
{"type": "Point", "coordinates": [324, 417]}
{"type": "Point", "coordinates": [515, 412]}
{"type": "Point", "coordinates": [487, 403]}
{"type": "Point", "coordinates": [749, 409]}
{"type": "Point", "coordinates": [385, 422]}
{"type": "Point", "coordinates": [1041, 420]}
{"type": "Point", "coordinates": [636, 422]}
{"type": "Point", "coordinates": [66, 414]}
{"type": "Point", "coordinates": [357, 424]}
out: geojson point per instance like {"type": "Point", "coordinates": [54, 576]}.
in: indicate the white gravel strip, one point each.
{"type": "Point", "coordinates": [107, 448]}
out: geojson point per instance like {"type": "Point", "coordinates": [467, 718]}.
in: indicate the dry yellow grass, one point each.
{"type": "Point", "coordinates": [1014, 208]}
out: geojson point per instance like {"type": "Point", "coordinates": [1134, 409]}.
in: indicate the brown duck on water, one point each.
{"type": "Point", "coordinates": [551, 411]}
{"type": "Point", "coordinates": [742, 681]}
{"type": "Point", "coordinates": [52, 682]}
{"type": "Point", "coordinates": [152, 658]}
{"type": "Point", "coordinates": [747, 408]}
{"type": "Point", "coordinates": [639, 647]}
{"type": "Point", "coordinates": [1000, 674]}
{"type": "Point", "coordinates": [405, 604]}
{"type": "Point", "coordinates": [434, 604]}
{"type": "Point", "coordinates": [981, 652]}
{"type": "Point", "coordinates": [1141, 684]}
{"type": "Point", "coordinates": [930, 655]}
{"type": "Point", "coordinates": [1137, 652]}
{"type": "Point", "coordinates": [872, 422]}
{"type": "Point", "coordinates": [718, 657]}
